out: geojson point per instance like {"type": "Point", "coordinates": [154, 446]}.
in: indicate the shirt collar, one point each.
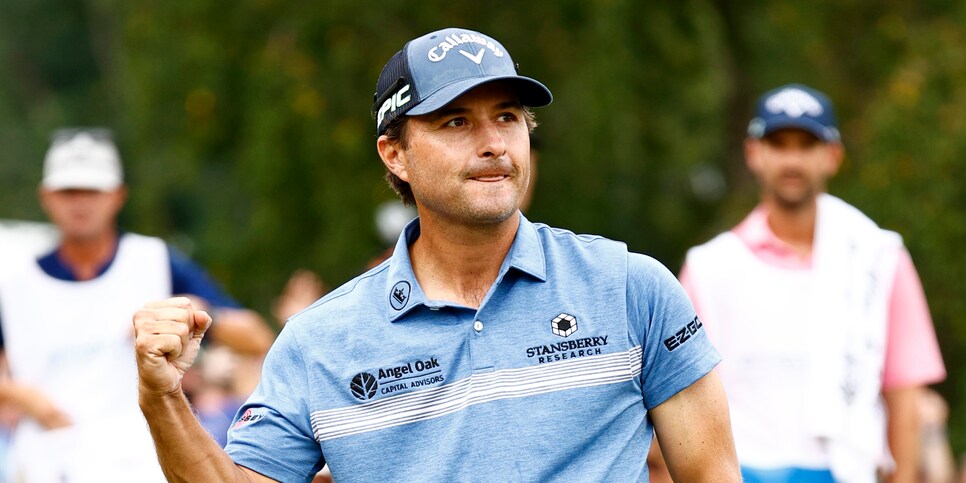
{"type": "Point", "coordinates": [755, 232]}
{"type": "Point", "coordinates": [54, 266]}
{"type": "Point", "coordinates": [526, 254]}
{"type": "Point", "coordinates": [403, 292]}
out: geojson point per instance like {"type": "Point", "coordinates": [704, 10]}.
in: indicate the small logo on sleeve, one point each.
{"type": "Point", "coordinates": [683, 334]}
{"type": "Point", "coordinates": [248, 417]}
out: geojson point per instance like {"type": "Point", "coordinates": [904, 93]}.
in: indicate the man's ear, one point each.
{"type": "Point", "coordinates": [43, 194]}
{"type": "Point", "coordinates": [119, 196]}
{"type": "Point", "coordinates": [836, 155]}
{"type": "Point", "coordinates": [752, 146]}
{"type": "Point", "coordinates": [393, 156]}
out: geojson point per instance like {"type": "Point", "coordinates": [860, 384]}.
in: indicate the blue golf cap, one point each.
{"type": "Point", "coordinates": [795, 106]}
{"type": "Point", "coordinates": [433, 70]}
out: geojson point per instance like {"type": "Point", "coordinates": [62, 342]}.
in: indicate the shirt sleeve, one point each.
{"type": "Point", "coordinates": [912, 351]}
{"type": "Point", "coordinates": [189, 278]}
{"type": "Point", "coordinates": [275, 420]}
{"type": "Point", "coordinates": [676, 349]}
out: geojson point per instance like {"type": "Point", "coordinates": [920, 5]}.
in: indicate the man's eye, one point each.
{"type": "Point", "coordinates": [508, 117]}
{"type": "Point", "coordinates": [457, 122]}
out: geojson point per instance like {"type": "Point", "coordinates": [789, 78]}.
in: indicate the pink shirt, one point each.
{"type": "Point", "coordinates": [912, 352]}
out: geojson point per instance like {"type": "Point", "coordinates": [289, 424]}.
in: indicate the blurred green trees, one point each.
{"type": "Point", "coordinates": [246, 133]}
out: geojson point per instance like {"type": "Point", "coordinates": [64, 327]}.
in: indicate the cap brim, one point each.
{"type": "Point", "coordinates": [816, 128]}
{"type": "Point", "coordinates": [532, 93]}
{"type": "Point", "coordinates": [81, 179]}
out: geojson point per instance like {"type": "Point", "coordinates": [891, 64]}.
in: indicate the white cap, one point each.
{"type": "Point", "coordinates": [82, 160]}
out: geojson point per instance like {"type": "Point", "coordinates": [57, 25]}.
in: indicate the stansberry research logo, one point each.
{"type": "Point", "coordinates": [564, 325]}
{"type": "Point", "coordinates": [363, 386]}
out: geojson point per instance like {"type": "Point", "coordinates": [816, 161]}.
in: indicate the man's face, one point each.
{"type": "Point", "coordinates": [468, 162]}
{"type": "Point", "coordinates": [83, 214]}
{"type": "Point", "coordinates": [792, 166]}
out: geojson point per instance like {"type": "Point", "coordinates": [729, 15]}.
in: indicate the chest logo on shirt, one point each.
{"type": "Point", "coordinates": [399, 296]}
{"type": "Point", "coordinates": [363, 386]}
{"type": "Point", "coordinates": [388, 380]}
{"type": "Point", "coordinates": [564, 325]}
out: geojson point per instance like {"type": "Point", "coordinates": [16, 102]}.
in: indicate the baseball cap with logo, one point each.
{"type": "Point", "coordinates": [795, 106]}
{"type": "Point", "coordinates": [433, 70]}
{"type": "Point", "coordinates": [82, 159]}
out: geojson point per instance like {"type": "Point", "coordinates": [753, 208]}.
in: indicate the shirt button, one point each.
{"type": "Point", "coordinates": [478, 326]}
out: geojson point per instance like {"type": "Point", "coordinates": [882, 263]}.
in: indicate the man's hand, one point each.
{"type": "Point", "coordinates": [34, 404]}
{"type": "Point", "coordinates": [168, 336]}
{"type": "Point", "coordinates": [302, 289]}
{"type": "Point", "coordinates": [43, 410]}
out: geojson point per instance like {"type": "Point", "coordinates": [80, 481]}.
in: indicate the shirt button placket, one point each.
{"type": "Point", "coordinates": [482, 355]}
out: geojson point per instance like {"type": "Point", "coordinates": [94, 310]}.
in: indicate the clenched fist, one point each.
{"type": "Point", "coordinates": [168, 336]}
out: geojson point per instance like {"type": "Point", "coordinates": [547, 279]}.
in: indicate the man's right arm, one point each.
{"type": "Point", "coordinates": [694, 429]}
{"type": "Point", "coordinates": [168, 336]}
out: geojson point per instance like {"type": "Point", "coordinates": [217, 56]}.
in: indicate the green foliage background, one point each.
{"type": "Point", "coordinates": [247, 140]}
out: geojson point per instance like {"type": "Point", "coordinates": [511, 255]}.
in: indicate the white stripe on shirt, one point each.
{"type": "Point", "coordinates": [477, 389]}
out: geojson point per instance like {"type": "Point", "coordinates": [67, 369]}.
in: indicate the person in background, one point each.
{"type": "Point", "coordinates": [819, 314]}
{"type": "Point", "coordinates": [65, 319]}
{"type": "Point", "coordinates": [485, 345]}
{"type": "Point", "coordinates": [301, 289]}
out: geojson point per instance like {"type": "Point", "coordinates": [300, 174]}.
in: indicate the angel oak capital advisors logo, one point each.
{"type": "Point", "coordinates": [418, 373]}
{"type": "Point", "coordinates": [364, 386]}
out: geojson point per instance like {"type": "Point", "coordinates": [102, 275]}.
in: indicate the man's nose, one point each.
{"type": "Point", "coordinates": [491, 140]}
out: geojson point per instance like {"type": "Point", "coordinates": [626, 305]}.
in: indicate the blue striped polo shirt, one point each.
{"type": "Point", "coordinates": [549, 379]}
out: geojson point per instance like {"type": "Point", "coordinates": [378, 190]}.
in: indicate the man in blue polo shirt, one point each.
{"type": "Point", "coordinates": [65, 332]}
{"type": "Point", "coordinates": [487, 347]}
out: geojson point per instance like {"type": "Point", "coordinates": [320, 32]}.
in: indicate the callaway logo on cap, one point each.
{"type": "Point", "coordinates": [795, 106]}
{"type": "Point", "coordinates": [432, 70]}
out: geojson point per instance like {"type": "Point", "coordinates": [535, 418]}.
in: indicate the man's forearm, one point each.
{"type": "Point", "coordinates": [185, 450]}
{"type": "Point", "coordinates": [903, 432]}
